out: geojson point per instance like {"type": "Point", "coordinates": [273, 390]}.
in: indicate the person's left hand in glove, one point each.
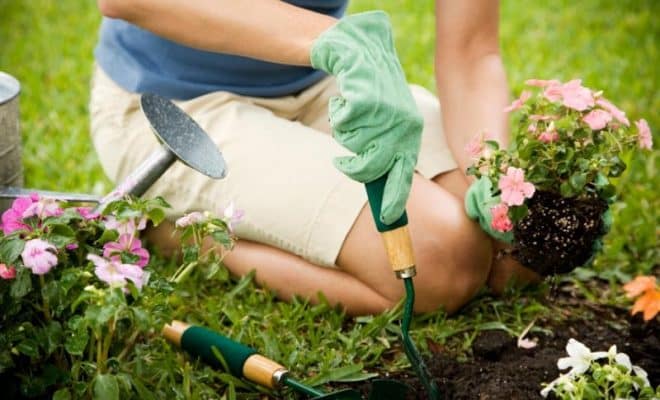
{"type": "Point", "coordinates": [375, 115]}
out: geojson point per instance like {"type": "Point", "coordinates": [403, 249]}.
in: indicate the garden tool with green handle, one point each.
{"type": "Point", "coordinates": [244, 362]}
{"type": "Point", "coordinates": [398, 246]}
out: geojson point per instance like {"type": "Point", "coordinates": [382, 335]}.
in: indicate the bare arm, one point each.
{"type": "Point", "coordinates": [268, 30]}
{"type": "Point", "coordinates": [470, 77]}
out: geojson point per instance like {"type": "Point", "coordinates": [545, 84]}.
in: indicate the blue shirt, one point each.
{"type": "Point", "coordinates": [142, 62]}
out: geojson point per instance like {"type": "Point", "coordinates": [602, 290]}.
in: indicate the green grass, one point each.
{"type": "Point", "coordinates": [611, 45]}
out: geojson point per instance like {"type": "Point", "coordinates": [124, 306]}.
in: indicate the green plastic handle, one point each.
{"type": "Point", "coordinates": [201, 341]}
{"type": "Point", "coordinates": [375, 191]}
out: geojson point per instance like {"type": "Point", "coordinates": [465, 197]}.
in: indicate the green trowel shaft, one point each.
{"type": "Point", "coordinates": [398, 246]}
{"type": "Point", "coordinates": [242, 361]}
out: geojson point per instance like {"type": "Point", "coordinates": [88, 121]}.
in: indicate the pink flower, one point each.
{"type": "Point", "coordinates": [552, 91]}
{"type": "Point", "coordinates": [572, 94]}
{"type": "Point", "coordinates": [501, 221]}
{"type": "Point", "coordinates": [128, 226]}
{"type": "Point", "coordinates": [576, 96]}
{"type": "Point", "coordinates": [128, 244]}
{"type": "Point", "coordinates": [541, 82]}
{"type": "Point", "coordinates": [597, 119]}
{"type": "Point", "coordinates": [612, 109]}
{"type": "Point", "coordinates": [7, 272]}
{"type": "Point", "coordinates": [38, 257]}
{"type": "Point", "coordinates": [644, 137]}
{"type": "Point", "coordinates": [514, 188]}
{"type": "Point", "coordinates": [12, 219]}
{"type": "Point", "coordinates": [71, 246]}
{"type": "Point", "coordinates": [45, 207]}
{"type": "Point", "coordinates": [549, 135]}
{"type": "Point", "coordinates": [194, 217]}
{"type": "Point", "coordinates": [232, 216]}
{"type": "Point", "coordinates": [518, 103]}
{"type": "Point", "coordinates": [114, 273]}
{"type": "Point", "coordinates": [88, 213]}
{"type": "Point", "coordinates": [475, 146]}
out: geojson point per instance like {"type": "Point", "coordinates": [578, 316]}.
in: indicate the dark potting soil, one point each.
{"type": "Point", "coordinates": [498, 369]}
{"type": "Point", "coordinates": [557, 234]}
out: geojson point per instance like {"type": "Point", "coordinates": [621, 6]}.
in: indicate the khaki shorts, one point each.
{"type": "Point", "coordinates": [279, 155]}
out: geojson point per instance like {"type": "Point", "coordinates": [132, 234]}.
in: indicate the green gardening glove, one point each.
{"type": "Point", "coordinates": [375, 115]}
{"type": "Point", "coordinates": [478, 201]}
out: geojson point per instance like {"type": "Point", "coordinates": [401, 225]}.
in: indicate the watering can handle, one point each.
{"type": "Point", "coordinates": [242, 361]}
{"type": "Point", "coordinates": [396, 236]}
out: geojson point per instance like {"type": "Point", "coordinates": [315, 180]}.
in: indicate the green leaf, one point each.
{"type": "Point", "coordinates": [106, 387]}
{"type": "Point", "coordinates": [190, 253]}
{"type": "Point", "coordinates": [109, 235]}
{"type": "Point", "coordinates": [156, 215]}
{"type": "Point", "coordinates": [518, 212]}
{"type": "Point", "coordinates": [566, 189]}
{"type": "Point", "coordinates": [617, 167]}
{"type": "Point", "coordinates": [578, 180]}
{"type": "Point", "coordinates": [62, 394]}
{"type": "Point", "coordinates": [22, 284]}
{"type": "Point", "coordinates": [10, 250]}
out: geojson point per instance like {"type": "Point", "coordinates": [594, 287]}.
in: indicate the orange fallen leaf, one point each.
{"type": "Point", "coordinates": [639, 285]}
{"type": "Point", "coordinates": [649, 301]}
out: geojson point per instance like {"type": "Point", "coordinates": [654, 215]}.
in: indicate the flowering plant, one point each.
{"type": "Point", "coordinates": [647, 291]}
{"type": "Point", "coordinates": [567, 146]}
{"type": "Point", "coordinates": [79, 295]}
{"type": "Point", "coordinates": [599, 375]}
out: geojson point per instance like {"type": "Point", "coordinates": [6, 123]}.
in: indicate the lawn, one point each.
{"type": "Point", "coordinates": [610, 44]}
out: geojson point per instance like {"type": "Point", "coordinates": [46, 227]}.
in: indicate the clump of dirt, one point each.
{"type": "Point", "coordinates": [558, 234]}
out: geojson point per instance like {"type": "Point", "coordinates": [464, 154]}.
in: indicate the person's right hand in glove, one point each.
{"type": "Point", "coordinates": [375, 115]}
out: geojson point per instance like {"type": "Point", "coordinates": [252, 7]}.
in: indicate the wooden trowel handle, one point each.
{"type": "Point", "coordinates": [396, 236]}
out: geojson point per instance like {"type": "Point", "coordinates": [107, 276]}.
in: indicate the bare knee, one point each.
{"type": "Point", "coordinates": [453, 262]}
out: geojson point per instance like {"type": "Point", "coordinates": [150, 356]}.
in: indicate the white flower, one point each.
{"type": "Point", "coordinates": [642, 374]}
{"type": "Point", "coordinates": [579, 357]}
{"type": "Point", "coordinates": [566, 380]}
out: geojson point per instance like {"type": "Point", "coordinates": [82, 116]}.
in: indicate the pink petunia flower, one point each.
{"type": "Point", "coordinates": [7, 272]}
{"type": "Point", "coordinates": [37, 256]}
{"type": "Point", "coordinates": [71, 246]}
{"type": "Point", "coordinates": [597, 119]}
{"type": "Point", "coordinates": [644, 137]}
{"type": "Point", "coordinates": [44, 207]}
{"type": "Point", "coordinates": [612, 109]}
{"type": "Point", "coordinates": [232, 216]}
{"type": "Point", "coordinates": [514, 188]}
{"type": "Point", "coordinates": [475, 146]}
{"type": "Point", "coordinates": [501, 221]}
{"type": "Point", "coordinates": [114, 273]}
{"type": "Point", "coordinates": [194, 217]}
{"type": "Point", "coordinates": [129, 244]}
{"type": "Point", "coordinates": [128, 226]}
{"type": "Point", "coordinates": [576, 96]}
{"type": "Point", "coordinates": [541, 82]}
{"type": "Point", "coordinates": [518, 103]}
{"type": "Point", "coordinates": [12, 219]}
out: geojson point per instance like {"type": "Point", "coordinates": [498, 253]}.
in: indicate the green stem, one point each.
{"type": "Point", "coordinates": [128, 345]}
{"type": "Point", "coordinates": [100, 360]}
